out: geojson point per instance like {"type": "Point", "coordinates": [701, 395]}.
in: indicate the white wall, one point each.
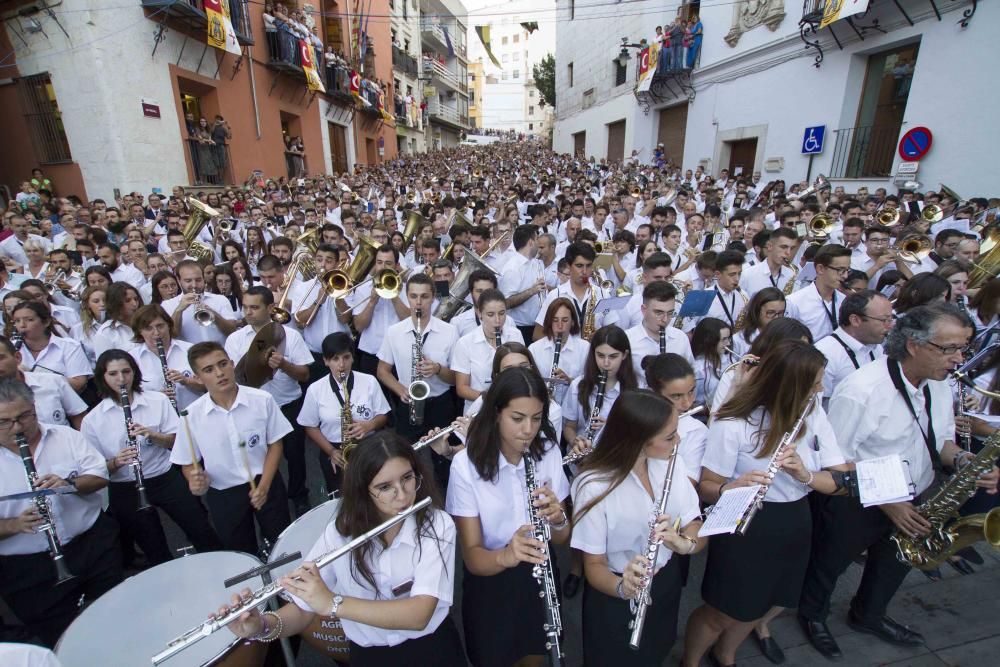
{"type": "Point", "coordinates": [100, 79]}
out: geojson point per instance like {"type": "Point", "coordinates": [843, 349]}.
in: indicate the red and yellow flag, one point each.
{"type": "Point", "coordinates": [220, 27]}
{"type": "Point", "coordinates": [313, 79]}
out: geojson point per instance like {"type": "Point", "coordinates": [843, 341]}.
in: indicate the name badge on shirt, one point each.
{"type": "Point", "coordinates": [403, 589]}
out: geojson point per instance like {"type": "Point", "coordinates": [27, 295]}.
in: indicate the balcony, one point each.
{"type": "Point", "coordinates": [433, 33]}
{"type": "Point", "coordinates": [404, 62]}
{"type": "Point", "coordinates": [436, 70]}
{"type": "Point", "coordinates": [864, 152]}
{"type": "Point", "coordinates": [191, 13]}
{"type": "Point", "coordinates": [442, 114]}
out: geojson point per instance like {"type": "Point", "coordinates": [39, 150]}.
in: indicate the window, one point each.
{"type": "Point", "coordinates": [572, 10]}
{"type": "Point", "coordinates": [531, 92]}
{"type": "Point", "coordinates": [503, 58]}
{"type": "Point", "coordinates": [406, 45]}
{"type": "Point", "coordinates": [621, 72]}
{"type": "Point", "coordinates": [516, 56]}
{"type": "Point", "coordinates": [569, 73]}
{"type": "Point", "coordinates": [517, 38]}
{"type": "Point", "coordinates": [531, 126]}
{"type": "Point", "coordinates": [517, 74]}
{"type": "Point", "coordinates": [503, 41]}
{"type": "Point", "coordinates": [41, 112]}
{"type": "Point", "coordinates": [503, 75]}
{"type": "Point", "coordinates": [472, 98]}
{"type": "Point", "coordinates": [531, 111]}
{"type": "Point", "coordinates": [472, 77]}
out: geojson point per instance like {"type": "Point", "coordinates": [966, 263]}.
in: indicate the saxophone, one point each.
{"type": "Point", "coordinates": [418, 389]}
{"type": "Point", "coordinates": [45, 511]}
{"type": "Point", "coordinates": [543, 573]}
{"type": "Point", "coordinates": [790, 285]}
{"type": "Point", "coordinates": [742, 317]}
{"type": "Point", "coordinates": [642, 601]}
{"type": "Point", "coordinates": [346, 421]}
{"type": "Point", "coordinates": [140, 480]}
{"type": "Point", "coordinates": [948, 534]}
{"type": "Point", "coordinates": [590, 316]}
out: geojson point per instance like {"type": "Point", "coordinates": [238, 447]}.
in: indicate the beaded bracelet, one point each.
{"type": "Point", "coordinates": [809, 481]}
{"type": "Point", "coordinates": [267, 636]}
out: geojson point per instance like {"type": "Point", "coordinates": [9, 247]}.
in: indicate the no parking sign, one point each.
{"type": "Point", "coordinates": [915, 143]}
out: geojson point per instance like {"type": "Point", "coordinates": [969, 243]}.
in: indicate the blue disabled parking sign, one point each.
{"type": "Point", "coordinates": [812, 140]}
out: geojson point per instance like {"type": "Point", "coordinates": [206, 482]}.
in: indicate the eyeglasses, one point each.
{"type": "Point", "coordinates": [388, 492]}
{"type": "Point", "coordinates": [884, 320]}
{"type": "Point", "coordinates": [6, 424]}
{"type": "Point", "coordinates": [949, 349]}
{"type": "Point", "coordinates": [840, 271]}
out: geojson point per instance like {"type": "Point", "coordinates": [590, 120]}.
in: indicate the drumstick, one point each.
{"type": "Point", "coordinates": [246, 464]}
{"type": "Point", "coordinates": [187, 429]}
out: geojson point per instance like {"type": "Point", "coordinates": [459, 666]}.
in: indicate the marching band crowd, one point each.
{"type": "Point", "coordinates": [522, 339]}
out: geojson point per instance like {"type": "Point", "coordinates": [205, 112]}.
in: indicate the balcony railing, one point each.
{"type": "Point", "coordinates": [192, 13]}
{"type": "Point", "coordinates": [211, 163]}
{"type": "Point", "coordinates": [436, 69]}
{"type": "Point", "coordinates": [440, 112]}
{"type": "Point", "coordinates": [404, 62]}
{"type": "Point", "coordinates": [864, 152]}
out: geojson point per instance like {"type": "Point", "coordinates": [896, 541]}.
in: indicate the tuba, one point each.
{"type": "Point", "coordinates": [988, 265]}
{"type": "Point", "coordinates": [197, 219]}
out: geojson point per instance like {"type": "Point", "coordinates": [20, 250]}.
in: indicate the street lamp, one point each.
{"type": "Point", "coordinates": [624, 56]}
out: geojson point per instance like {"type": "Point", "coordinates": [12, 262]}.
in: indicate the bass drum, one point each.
{"type": "Point", "coordinates": [325, 633]}
{"type": "Point", "coordinates": [136, 619]}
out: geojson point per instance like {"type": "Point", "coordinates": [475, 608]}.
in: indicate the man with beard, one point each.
{"type": "Point", "coordinates": [110, 256]}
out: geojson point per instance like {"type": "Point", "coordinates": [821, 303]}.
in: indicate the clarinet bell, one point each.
{"type": "Point", "coordinates": [143, 500]}
{"type": "Point", "coordinates": [62, 570]}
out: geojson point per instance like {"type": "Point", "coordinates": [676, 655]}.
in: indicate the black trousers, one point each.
{"type": "Point", "coordinates": [28, 582]}
{"type": "Point", "coordinates": [168, 492]}
{"type": "Point", "coordinates": [317, 369]}
{"type": "Point", "coordinates": [844, 531]}
{"type": "Point", "coordinates": [294, 447]}
{"type": "Point", "coordinates": [439, 412]}
{"type": "Point", "coordinates": [366, 363]}
{"type": "Point", "coordinates": [528, 332]}
{"type": "Point", "coordinates": [330, 478]}
{"type": "Point", "coordinates": [233, 515]}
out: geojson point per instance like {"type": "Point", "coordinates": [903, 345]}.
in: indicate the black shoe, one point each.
{"type": "Point", "coordinates": [770, 648]}
{"type": "Point", "coordinates": [933, 575]}
{"type": "Point", "coordinates": [821, 639]}
{"type": "Point", "coordinates": [886, 629]}
{"type": "Point", "coordinates": [970, 554]}
{"type": "Point", "coordinates": [571, 585]}
{"type": "Point", "coordinates": [961, 566]}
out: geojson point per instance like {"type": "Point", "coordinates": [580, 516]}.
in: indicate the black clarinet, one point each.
{"type": "Point", "coordinates": [17, 341]}
{"type": "Point", "coordinates": [496, 338]}
{"type": "Point", "coordinates": [42, 507]}
{"type": "Point", "coordinates": [140, 481]}
{"type": "Point", "coordinates": [162, 352]}
{"type": "Point", "coordinates": [663, 340]}
{"type": "Point", "coordinates": [544, 573]}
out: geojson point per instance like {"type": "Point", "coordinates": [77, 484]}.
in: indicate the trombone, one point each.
{"type": "Point", "coordinates": [387, 285]}
{"type": "Point", "coordinates": [914, 249]}
{"type": "Point", "coordinates": [340, 282]}
{"type": "Point", "coordinates": [282, 315]}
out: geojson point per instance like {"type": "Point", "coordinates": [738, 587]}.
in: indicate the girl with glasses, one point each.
{"type": "Point", "coordinates": [393, 593]}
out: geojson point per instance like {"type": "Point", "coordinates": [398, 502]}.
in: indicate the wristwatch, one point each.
{"type": "Point", "coordinates": [335, 605]}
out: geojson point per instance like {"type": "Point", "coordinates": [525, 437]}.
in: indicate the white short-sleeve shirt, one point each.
{"type": "Point", "coordinates": [438, 341]}
{"type": "Point", "coordinates": [62, 452]}
{"type": "Point", "coordinates": [254, 419]}
{"type": "Point", "coordinates": [501, 505]}
{"type": "Point", "coordinates": [572, 358]}
{"type": "Point", "coordinates": [423, 562]}
{"type": "Point", "coordinates": [104, 428]}
{"type": "Point", "coordinates": [63, 356]}
{"type": "Point", "coordinates": [113, 335]}
{"type": "Point", "coordinates": [694, 440]}
{"type": "Point", "coordinates": [193, 332]}
{"type": "Point", "coordinates": [473, 356]}
{"type": "Point", "coordinates": [284, 389]}
{"type": "Point", "coordinates": [321, 408]}
{"type": "Point", "coordinates": [573, 412]}
{"type": "Point", "coordinates": [839, 362]}
{"type": "Point", "coordinates": [55, 400]}
{"type": "Point", "coordinates": [152, 369]}
{"type": "Point", "coordinates": [618, 526]}
{"type": "Point", "coordinates": [644, 345]}
{"type": "Point", "coordinates": [807, 306]}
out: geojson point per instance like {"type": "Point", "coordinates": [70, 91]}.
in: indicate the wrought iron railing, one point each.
{"type": "Point", "coordinates": [864, 152]}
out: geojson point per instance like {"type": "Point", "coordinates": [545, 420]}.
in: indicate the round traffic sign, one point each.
{"type": "Point", "coordinates": [915, 143]}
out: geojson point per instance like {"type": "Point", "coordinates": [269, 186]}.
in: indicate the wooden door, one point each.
{"type": "Point", "coordinates": [338, 147]}
{"type": "Point", "coordinates": [742, 155]}
{"type": "Point", "coordinates": [616, 140]}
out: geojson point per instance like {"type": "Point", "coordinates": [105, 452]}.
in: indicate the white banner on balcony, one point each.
{"type": "Point", "coordinates": [648, 59]}
{"type": "Point", "coordinates": [841, 9]}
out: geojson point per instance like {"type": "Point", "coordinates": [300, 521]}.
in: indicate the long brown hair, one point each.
{"type": "Point", "coordinates": [357, 513]}
{"type": "Point", "coordinates": [615, 337]}
{"type": "Point", "coordinates": [635, 419]}
{"type": "Point", "coordinates": [782, 385]}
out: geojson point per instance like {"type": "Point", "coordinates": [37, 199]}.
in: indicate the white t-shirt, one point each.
{"type": "Point", "coordinates": [321, 408]}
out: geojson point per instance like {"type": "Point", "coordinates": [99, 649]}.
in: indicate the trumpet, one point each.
{"type": "Point", "coordinates": [203, 315]}
{"type": "Point", "coordinates": [259, 597]}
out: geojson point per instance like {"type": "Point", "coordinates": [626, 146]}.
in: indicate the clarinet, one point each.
{"type": "Point", "coordinates": [641, 602]}
{"type": "Point", "coordinates": [168, 384]}
{"type": "Point", "coordinates": [45, 511]}
{"type": "Point", "coordinates": [602, 381]}
{"type": "Point", "coordinates": [17, 341]}
{"type": "Point", "coordinates": [555, 365]}
{"type": "Point", "coordinates": [663, 340]}
{"type": "Point", "coordinates": [140, 481]}
{"type": "Point", "coordinates": [496, 338]}
{"type": "Point", "coordinates": [543, 572]}
{"type": "Point", "coordinates": [772, 467]}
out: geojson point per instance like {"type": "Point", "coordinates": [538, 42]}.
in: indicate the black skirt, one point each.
{"type": "Point", "coordinates": [606, 619]}
{"type": "Point", "coordinates": [441, 648]}
{"type": "Point", "coordinates": [503, 617]}
{"type": "Point", "coordinates": [748, 574]}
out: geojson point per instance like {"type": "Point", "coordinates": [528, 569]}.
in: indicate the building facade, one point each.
{"type": "Point", "coordinates": [476, 93]}
{"type": "Point", "coordinates": [766, 72]}
{"type": "Point", "coordinates": [407, 75]}
{"type": "Point", "coordinates": [99, 94]}
{"type": "Point", "coordinates": [445, 70]}
{"type": "Point", "coordinates": [510, 100]}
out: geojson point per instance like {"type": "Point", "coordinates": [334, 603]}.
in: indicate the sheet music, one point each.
{"type": "Point", "coordinates": [883, 480]}
{"type": "Point", "coordinates": [727, 513]}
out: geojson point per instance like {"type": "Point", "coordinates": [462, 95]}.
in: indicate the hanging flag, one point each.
{"type": "Point", "coordinates": [355, 45]}
{"type": "Point", "coordinates": [484, 36]}
{"type": "Point", "coordinates": [220, 27]}
{"type": "Point", "coordinates": [355, 84]}
{"type": "Point", "coordinates": [447, 40]}
{"type": "Point", "coordinates": [530, 27]}
{"type": "Point", "coordinates": [841, 9]}
{"type": "Point", "coordinates": [313, 80]}
{"type": "Point", "coordinates": [381, 106]}
{"type": "Point", "coordinates": [648, 58]}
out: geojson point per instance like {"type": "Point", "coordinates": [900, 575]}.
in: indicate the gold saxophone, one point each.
{"type": "Point", "coordinates": [589, 325]}
{"type": "Point", "coordinates": [742, 317]}
{"type": "Point", "coordinates": [948, 536]}
{"type": "Point", "coordinates": [347, 445]}
{"type": "Point", "coordinates": [790, 285]}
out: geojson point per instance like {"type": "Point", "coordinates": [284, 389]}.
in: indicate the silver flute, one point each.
{"type": "Point", "coordinates": [573, 457]}
{"type": "Point", "coordinates": [426, 440]}
{"type": "Point", "coordinates": [45, 511]}
{"type": "Point", "coordinates": [642, 600]}
{"type": "Point", "coordinates": [265, 593]}
{"type": "Point", "coordinates": [140, 480]}
{"type": "Point", "coordinates": [167, 383]}
{"type": "Point", "coordinates": [543, 572]}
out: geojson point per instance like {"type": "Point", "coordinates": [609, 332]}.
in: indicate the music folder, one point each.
{"type": "Point", "coordinates": [697, 303]}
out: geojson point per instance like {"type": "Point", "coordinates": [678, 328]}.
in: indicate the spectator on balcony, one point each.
{"type": "Point", "coordinates": [209, 171]}
{"type": "Point", "coordinates": [271, 31]}
{"type": "Point", "coordinates": [295, 156]}
{"type": "Point", "coordinates": [221, 134]}
{"type": "Point", "coordinates": [677, 43]}
{"type": "Point", "coordinates": [697, 31]}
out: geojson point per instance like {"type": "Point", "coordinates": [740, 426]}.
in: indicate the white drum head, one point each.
{"type": "Point", "coordinates": [301, 536]}
{"type": "Point", "coordinates": [136, 619]}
